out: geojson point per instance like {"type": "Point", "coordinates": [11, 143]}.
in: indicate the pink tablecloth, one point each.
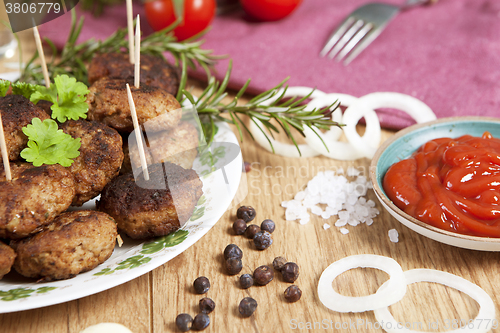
{"type": "Point", "coordinates": [447, 55]}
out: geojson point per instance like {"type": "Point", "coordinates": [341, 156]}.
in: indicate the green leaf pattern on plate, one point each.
{"type": "Point", "coordinates": [210, 159]}
{"type": "Point", "coordinates": [166, 241]}
{"type": "Point", "coordinates": [148, 248]}
{"type": "Point", "coordinates": [199, 210]}
{"type": "Point", "coordinates": [18, 293]}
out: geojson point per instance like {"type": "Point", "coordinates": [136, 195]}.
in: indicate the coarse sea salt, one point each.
{"type": "Point", "coordinates": [326, 226]}
{"type": "Point", "coordinates": [343, 198]}
{"type": "Point", "coordinates": [393, 235]}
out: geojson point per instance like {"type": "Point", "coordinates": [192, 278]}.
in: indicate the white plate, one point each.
{"type": "Point", "coordinates": [134, 258]}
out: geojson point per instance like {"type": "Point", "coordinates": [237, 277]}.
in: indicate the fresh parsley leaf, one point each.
{"type": "Point", "coordinates": [4, 87]}
{"type": "Point", "coordinates": [49, 145]}
{"type": "Point", "coordinates": [46, 94]}
{"type": "Point", "coordinates": [67, 96]}
{"type": "Point", "coordinates": [23, 88]}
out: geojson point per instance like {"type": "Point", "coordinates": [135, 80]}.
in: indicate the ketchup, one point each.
{"type": "Point", "coordinates": [452, 184]}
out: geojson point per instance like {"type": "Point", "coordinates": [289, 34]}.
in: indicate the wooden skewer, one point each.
{"type": "Point", "coordinates": [137, 72]}
{"type": "Point", "coordinates": [130, 25]}
{"type": "Point", "coordinates": [5, 153]}
{"type": "Point", "coordinates": [39, 47]}
{"type": "Point", "coordinates": [138, 137]}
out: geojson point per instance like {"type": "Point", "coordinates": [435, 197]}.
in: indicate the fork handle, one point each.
{"type": "Point", "coordinates": [412, 3]}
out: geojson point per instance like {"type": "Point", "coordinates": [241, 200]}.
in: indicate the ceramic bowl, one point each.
{"type": "Point", "coordinates": [404, 143]}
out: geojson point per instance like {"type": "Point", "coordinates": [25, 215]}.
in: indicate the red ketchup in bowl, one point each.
{"type": "Point", "coordinates": [452, 184]}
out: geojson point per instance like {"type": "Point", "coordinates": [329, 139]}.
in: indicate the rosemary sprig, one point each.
{"type": "Point", "coordinates": [287, 113]}
{"type": "Point", "coordinates": [74, 58]}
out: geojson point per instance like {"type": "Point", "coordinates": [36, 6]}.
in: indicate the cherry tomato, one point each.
{"type": "Point", "coordinates": [197, 16]}
{"type": "Point", "coordinates": [269, 10]}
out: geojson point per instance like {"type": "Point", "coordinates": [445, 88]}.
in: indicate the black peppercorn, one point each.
{"type": "Point", "coordinates": [263, 275]}
{"type": "Point", "coordinates": [201, 285]}
{"type": "Point", "coordinates": [278, 263]}
{"type": "Point", "coordinates": [183, 322]}
{"type": "Point", "coordinates": [232, 251]}
{"type": "Point", "coordinates": [252, 229]}
{"type": "Point", "coordinates": [234, 266]}
{"type": "Point", "coordinates": [207, 305]}
{"type": "Point", "coordinates": [268, 225]}
{"type": "Point", "coordinates": [200, 322]}
{"type": "Point", "coordinates": [246, 281]}
{"type": "Point", "coordinates": [262, 240]}
{"type": "Point", "coordinates": [293, 294]}
{"type": "Point", "coordinates": [247, 306]}
{"type": "Point", "coordinates": [246, 213]}
{"type": "Point", "coordinates": [290, 272]}
{"type": "Point", "coordinates": [239, 227]}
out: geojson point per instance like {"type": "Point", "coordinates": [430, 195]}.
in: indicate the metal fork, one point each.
{"type": "Point", "coordinates": [361, 27]}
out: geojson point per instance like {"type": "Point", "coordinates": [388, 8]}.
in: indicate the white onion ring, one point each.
{"type": "Point", "coordinates": [280, 148]}
{"type": "Point", "coordinates": [342, 150]}
{"type": "Point", "coordinates": [486, 311]}
{"type": "Point", "coordinates": [392, 294]}
{"type": "Point", "coordinates": [415, 108]}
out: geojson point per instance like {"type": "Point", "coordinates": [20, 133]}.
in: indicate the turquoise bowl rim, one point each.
{"type": "Point", "coordinates": [384, 157]}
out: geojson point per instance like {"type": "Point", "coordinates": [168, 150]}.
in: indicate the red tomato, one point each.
{"type": "Point", "coordinates": [197, 16]}
{"type": "Point", "coordinates": [269, 10]}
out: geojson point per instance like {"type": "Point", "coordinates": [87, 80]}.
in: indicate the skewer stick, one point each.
{"type": "Point", "coordinates": [5, 155]}
{"type": "Point", "coordinates": [137, 72]}
{"type": "Point", "coordinates": [138, 136]}
{"type": "Point", "coordinates": [130, 25]}
{"type": "Point", "coordinates": [42, 56]}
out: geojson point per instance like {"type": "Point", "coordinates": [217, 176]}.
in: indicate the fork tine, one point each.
{"type": "Point", "coordinates": [347, 36]}
{"type": "Point", "coordinates": [362, 45]}
{"type": "Point", "coordinates": [354, 41]}
{"type": "Point", "coordinates": [335, 36]}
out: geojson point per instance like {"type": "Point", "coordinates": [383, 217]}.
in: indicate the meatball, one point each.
{"type": "Point", "coordinates": [76, 242]}
{"type": "Point", "coordinates": [177, 146]}
{"type": "Point", "coordinates": [108, 103]}
{"type": "Point", "coordinates": [17, 111]}
{"type": "Point", "coordinates": [143, 212]}
{"type": "Point", "coordinates": [45, 106]}
{"type": "Point", "coordinates": [7, 256]}
{"type": "Point", "coordinates": [33, 198]}
{"type": "Point", "coordinates": [100, 159]}
{"type": "Point", "coordinates": [155, 71]}
{"type": "Point", "coordinates": [126, 165]}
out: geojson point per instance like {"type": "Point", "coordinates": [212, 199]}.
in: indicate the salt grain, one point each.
{"type": "Point", "coordinates": [341, 197]}
{"type": "Point", "coordinates": [326, 226]}
{"type": "Point", "coordinates": [340, 223]}
{"type": "Point", "coordinates": [344, 231]}
{"type": "Point", "coordinates": [393, 235]}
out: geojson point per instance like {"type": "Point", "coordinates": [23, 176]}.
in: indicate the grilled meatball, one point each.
{"type": "Point", "coordinates": [143, 213]}
{"type": "Point", "coordinates": [7, 256]}
{"type": "Point", "coordinates": [108, 103]}
{"type": "Point", "coordinates": [76, 242]}
{"type": "Point", "coordinates": [33, 198]}
{"type": "Point", "coordinates": [126, 165]}
{"type": "Point", "coordinates": [100, 159]}
{"type": "Point", "coordinates": [177, 146]}
{"type": "Point", "coordinates": [45, 106]}
{"type": "Point", "coordinates": [155, 71]}
{"type": "Point", "coordinates": [17, 111]}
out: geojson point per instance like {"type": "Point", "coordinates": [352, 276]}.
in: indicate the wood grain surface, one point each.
{"type": "Point", "coordinates": [151, 302]}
